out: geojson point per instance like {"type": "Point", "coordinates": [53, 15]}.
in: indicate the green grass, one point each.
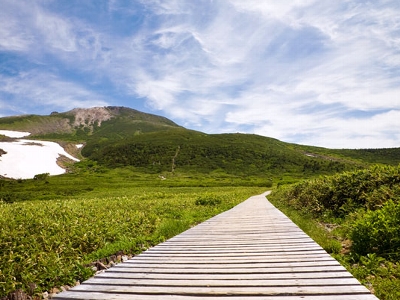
{"type": "Point", "coordinates": [90, 179]}
{"type": "Point", "coordinates": [47, 243]}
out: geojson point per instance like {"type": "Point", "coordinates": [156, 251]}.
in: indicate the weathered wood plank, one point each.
{"type": "Point", "coordinates": [218, 265]}
{"type": "Point", "coordinates": [224, 291]}
{"type": "Point", "coordinates": [224, 282]}
{"type": "Point", "coordinates": [264, 276]}
{"type": "Point", "coordinates": [227, 254]}
{"type": "Point", "coordinates": [107, 296]}
{"type": "Point", "coordinates": [244, 270]}
{"type": "Point", "coordinates": [222, 260]}
{"type": "Point", "coordinates": [217, 244]}
{"type": "Point", "coordinates": [300, 256]}
{"type": "Point", "coordinates": [226, 248]}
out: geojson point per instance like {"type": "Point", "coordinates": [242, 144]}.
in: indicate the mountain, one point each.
{"type": "Point", "coordinates": [116, 137]}
{"type": "Point", "coordinates": [80, 123]}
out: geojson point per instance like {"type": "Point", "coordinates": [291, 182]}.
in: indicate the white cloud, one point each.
{"type": "Point", "coordinates": [27, 26]}
{"type": "Point", "coordinates": [264, 63]}
{"type": "Point", "coordinates": [379, 131]}
{"type": "Point", "coordinates": [13, 36]}
{"type": "Point", "coordinates": [43, 89]}
{"type": "Point", "coordinates": [11, 39]}
{"type": "Point", "coordinates": [57, 32]}
{"type": "Point", "coordinates": [159, 93]}
{"type": "Point", "coordinates": [294, 70]}
{"type": "Point", "coordinates": [271, 8]}
{"type": "Point", "coordinates": [160, 7]}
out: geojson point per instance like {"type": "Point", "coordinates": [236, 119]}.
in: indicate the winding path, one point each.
{"type": "Point", "coordinates": [252, 251]}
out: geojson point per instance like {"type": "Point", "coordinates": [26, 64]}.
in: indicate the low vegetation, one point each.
{"type": "Point", "coordinates": [49, 243]}
{"type": "Point", "coordinates": [356, 217]}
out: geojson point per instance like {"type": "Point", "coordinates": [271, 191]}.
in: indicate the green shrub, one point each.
{"type": "Point", "coordinates": [208, 200]}
{"type": "Point", "coordinates": [333, 247]}
{"type": "Point", "coordinates": [7, 197]}
{"type": "Point", "coordinates": [344, 193]}
{"type": "Point", "coordinates": [43, 176]}
{"type": "Point", "coordinates": [387, 289]}
{"type": "Point", "coordinates": [169, 228]}
{"type": "Point", "coordinates": [378, 232]}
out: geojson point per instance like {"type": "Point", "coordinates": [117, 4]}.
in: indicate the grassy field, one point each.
{"type": "Point", "coordinates": [47, 243]}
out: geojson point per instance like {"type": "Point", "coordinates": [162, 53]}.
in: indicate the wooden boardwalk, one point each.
{"type": "Point", "coordinates": [252, 251]}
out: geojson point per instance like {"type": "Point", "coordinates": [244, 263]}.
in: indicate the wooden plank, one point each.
{"type": "Point", "coordinates": [224, 282]}
{"type": "Point", "coordinates": [233, 241]}
{"type": "Point", "coordinates": [227, 250]}
{"type": "Point", "coordinates": [264, 276]}
{"type": "Point", "coordinates": [238, 237]}
{"type": "Point", "coordinates": [224, 291]}
{"type": "Point", "coordinates": [240, 260]}
{"type": "Point", "coordinates": [198, 234]}
{"type": "Point", "coordinates": [237, 256]}
{"type": "Point", "coordinates": [227, 254]}
{"type": "Point", "coordinates": [218, 265]}
{"type": "Point", "coordinates": [155, 269]}
{"type": "Point", "coordinates": [261, 243]}
{"type": "Point", "coordinates": [254, 262]}
{"type": "Point", "coordinates": [114, 296]}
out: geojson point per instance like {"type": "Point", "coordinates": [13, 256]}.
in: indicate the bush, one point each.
{"type": "Point", "coordinates": [43, 176]}
{"type": "Point", "coordinates": [208, 200]}
{"type": "Point", "coordinates": [344, 193]}
{"type": "Point", "coordinates": [378, 232]}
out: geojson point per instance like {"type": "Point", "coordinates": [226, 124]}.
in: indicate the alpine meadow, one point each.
{"type": "Point", "coordinates": [142, 179]}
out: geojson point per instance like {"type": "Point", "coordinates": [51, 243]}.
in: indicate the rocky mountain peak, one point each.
{"type": "Point", "coordinates": [88, 117]}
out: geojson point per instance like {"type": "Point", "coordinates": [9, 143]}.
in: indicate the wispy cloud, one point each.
{"type": "Point", "coordinates": [14, 36]}
{"type": "Point", "coordinates": [311, 72]}
{"type": "Point", "coordinates": [28, 91]}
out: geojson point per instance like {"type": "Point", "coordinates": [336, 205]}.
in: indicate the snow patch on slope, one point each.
{"type": "Point", "coordinates": [26, 158]}
{"type": "Point", "coordinates": [14, 134]}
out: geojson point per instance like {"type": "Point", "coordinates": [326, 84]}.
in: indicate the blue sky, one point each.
{"type": "Point", "coordinates": [316, 72]}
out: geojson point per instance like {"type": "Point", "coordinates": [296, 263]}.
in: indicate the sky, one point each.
{"type": "Point", "coordinates": [314, 72]}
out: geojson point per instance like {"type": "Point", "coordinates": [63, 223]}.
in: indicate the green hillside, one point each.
{"type": "Point", "coordinates": [182, 150]}
{"type": "Point", "coordinates": [389, 156]}
{"type": "Point", "coordinates": [110, 122]}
